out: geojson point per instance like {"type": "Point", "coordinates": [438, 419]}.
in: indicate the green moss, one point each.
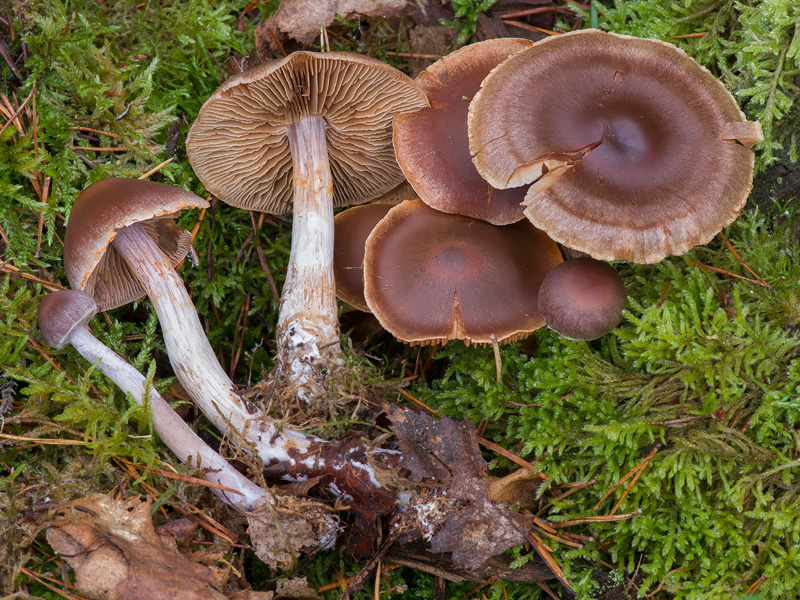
{"type": "Point", "coordinates": [717, 356]}
{"type": "Point", "coordinates": [710, 371]}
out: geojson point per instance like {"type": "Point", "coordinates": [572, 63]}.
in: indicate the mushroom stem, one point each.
{"type": "Point", "coordinates": [308, 326]}
{"type": "Point", "coordinates": [172, 430]}
{"type": "Point", "coordinates": [192, 357]}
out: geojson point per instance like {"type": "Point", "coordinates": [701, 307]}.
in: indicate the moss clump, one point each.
{"type": "Point", "coordinates": [706, 366]}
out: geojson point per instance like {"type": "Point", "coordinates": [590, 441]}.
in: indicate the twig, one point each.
{"type": "Point", "coordinates": [498, 364]}
{"type": "Point", "coordinates": [532, 11]}
{"type": "Point", "coordinates": [37, 577]}
{"type": "Point", "coordinates": [688, 35]}
{"type": "Point", "coordinates": [7, 268]}
{"type": "Point", "coordinates": [522, 25]}
{"type": "Point", "coordinates": [185, 478]}
{"type": "Point", "coordinates": [739, 258]}
{"type": "Point", "coordinates": [639, 470]}
{"type": "Point", "coordinates": [101, 149]}
{"type": "Point", "coordinates": [511, 456]}
{"type": "Point", "coordinates": [724, 272]}
{"type": "Point", "coordinates": [10, 62]}
{"type": "Point", "coordinates": [89, 129]}
{"type": "Point", "coordinates": [265, 267]}
{"type": "Point", "coordinates": [597, 519]}
{"type": "Point", "coordinates": [413, 55]}
{"type": "Point", "coordinates": [416, 401]}
{"type": "Point", "coordinates": [17, 113]}
{"type": "Point", "coordinates": [242, 320]}
{"type": "Point", "coordinates": [49, 441]}
{"type": "Point", "coordinates": [630, 473]}
{"type": "Point", "coordinates": [157, 168]}
{"type": "Point", "coordinates": [543, 551]}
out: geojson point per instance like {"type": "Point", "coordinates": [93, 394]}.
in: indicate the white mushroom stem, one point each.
{"type": "Point", "coordinates": [193, 359]}
{"type": "Point", "coordinates": [308, 325]}
{"type": "Point", "coordinates": [172, 430]}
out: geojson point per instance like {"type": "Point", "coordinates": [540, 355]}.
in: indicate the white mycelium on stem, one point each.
{"type": "Point", "coordinates": [308, 328]}
{"type": "Point", "coordinates": [192, 357]}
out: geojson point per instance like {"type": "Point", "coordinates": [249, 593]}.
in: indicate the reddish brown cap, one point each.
{"type": "Point", "coordinates": [582, 299]}
{"type": "Point", "coordinates": [238, 145]}
{"type": "Point", "coordinates": [432, 146]}
{"type": "Point", "coordinates": [636, 150]}
{"type": "Point", "coordinates": [91, 264]}
{"type": "Point", "coordinates": [430, 277]}
{"type": "Point", "coordinates": [351, 229]}
{"type": "Point", "coordinates": [61, 312]}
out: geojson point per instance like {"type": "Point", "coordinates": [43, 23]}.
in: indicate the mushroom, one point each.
{"type": "Point", "coordinates": [352, 227]}
{"type": "Point", "coordinates": [432, 146]}
{"type": "Point", "coordinates": [430, 277]}
{"type": "Point", "coordinates": [121, 243]}
{"type": "Point", "coordinates": [582, 299]}
{"type": "Point", "coordinates": [308, 132]}
{"type": "Point", "coordinates": [63, 320]}
{"type": "Point", "coordinates": [634, 150]}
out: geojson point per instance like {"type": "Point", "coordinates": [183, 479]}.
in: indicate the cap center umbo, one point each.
{"type": "Point", "coordinates": [453, 259]}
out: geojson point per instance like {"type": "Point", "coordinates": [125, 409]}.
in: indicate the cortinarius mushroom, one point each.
{"type": "Point", "coordinates": [582, 299]}
{"type": "Point", "coordinates": [113, 250]}
{"type": "Point", "coordinates": [430, 277]}
{"type": "Point", "coordinates": [63, 320]}
{"type": "Point", "coordinates": [432, 145]}
{"type": "Point", "coordinates": [305, 133]}
{"type": "Point", "coordinates": [634, 150]}
{"type": "Point", "coordinates": [352, 228]}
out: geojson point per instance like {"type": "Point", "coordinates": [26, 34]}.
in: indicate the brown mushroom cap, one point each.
{"type": "Point", "coordinates": [238, 145]}
{"type": "Point", "coordinates": [430, 276]}
{"type": "Point", "coordinates": [91, 264]}
{"type": "Point", "coordinates": [61, 312]}
{"type": "Point", "coordinates": [432, 146]}
{"type": "Point", "coordinates": [582, 299]}
{"type": "Point", "coordinates": [352, 227]}
{"type": "Point", "coordinates": [630, 138]}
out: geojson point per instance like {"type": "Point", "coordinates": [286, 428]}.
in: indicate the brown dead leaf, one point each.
{"type": "Point", "coordinates": [446, 453]}
{"type": "Point", "coordinates": [252, 595]}
{"type": "Point", "coordinates": [519, 488]}
{"type": "Point", "coordinates": [117, 554]}
{"type": "Point", "coordinates": [280, 532]}
{"type": "Point", "coordinates": [295, 589]}
{"type": "Point", "coordinates": [302, 19]}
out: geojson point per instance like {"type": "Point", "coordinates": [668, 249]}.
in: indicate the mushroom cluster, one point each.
{"type": "Point", "coordinates": [620, 148]}
{"type": "Point", "coordinates": [617, 147]}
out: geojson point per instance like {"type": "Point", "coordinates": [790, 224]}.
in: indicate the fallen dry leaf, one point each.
{"type": "Point", "coordinates": [446, 453]}
{"type": "Point", "coordinates": [295, 589]}
{"type": "Point", "coordinates": [519, 488]}
{"type": "Point", "coordinates": [117, 554]}
{"type": "Point", "coordinates": [302, 19]}
{"type": "Point", "coordinates": [294, 525]}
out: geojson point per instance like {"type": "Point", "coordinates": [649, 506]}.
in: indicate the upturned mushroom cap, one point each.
{"type": "Point", "coordinates": [238, 145]}
{"type": "Point", "coordinates": [352, 227]}
{"type": "Point", "coordinates": [432, 146]}
{"type": "Point", "coordinates": [92, 264]}
{"type": "Point", "coordinates": [582, 299]}
{"type": "Point", "coordinates": [430, 277]}
{"type": "Point", "coordinates": [61, 312]}
{"type": "Point", "coordinates": [636, 150]}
